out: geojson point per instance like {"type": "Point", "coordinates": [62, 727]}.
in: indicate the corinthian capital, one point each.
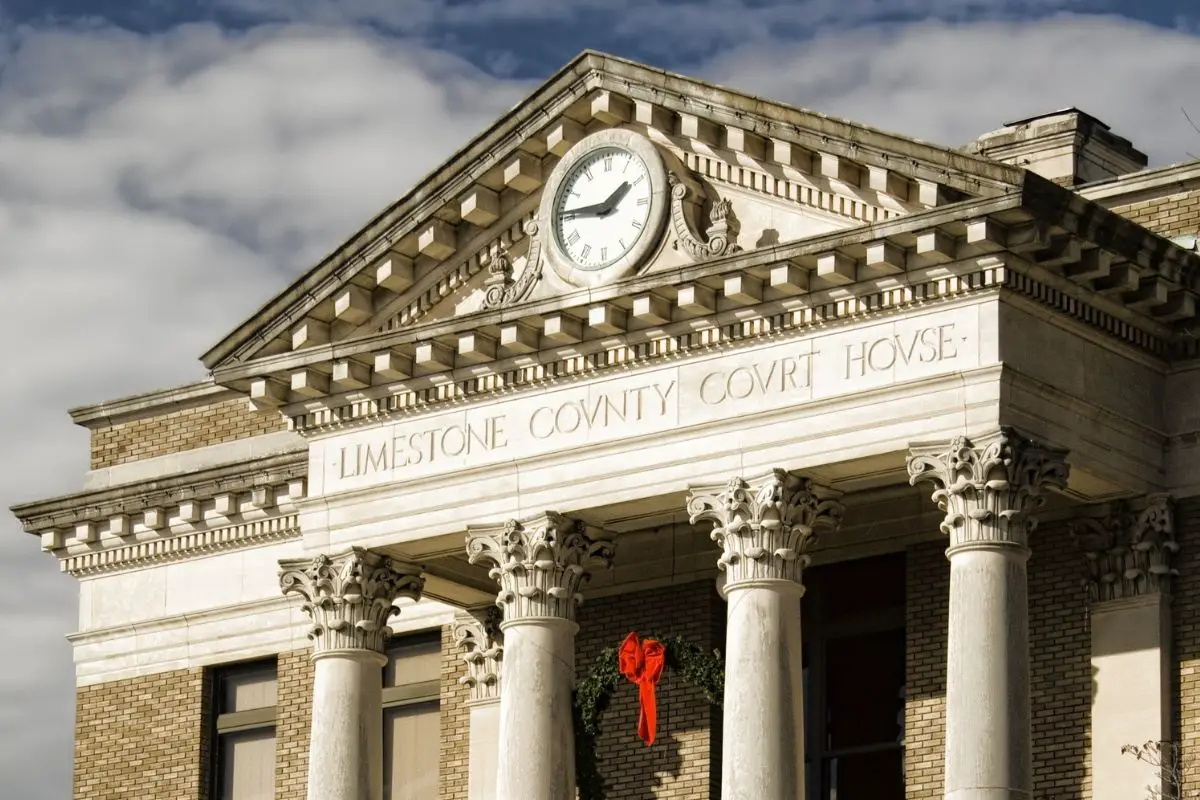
{"type": "Point", "coordinates": [349, 596]}
{"type": "Point", "coordinates": [1129, 554]}
{"type": "Point", "coordinates": [989, 488]}
{"type": "Point", "coordinates": [477, 634]}
{"type": "Point", "coordinates": [540, 564]}
{"type": "Point", "coordinates": [767, 525]}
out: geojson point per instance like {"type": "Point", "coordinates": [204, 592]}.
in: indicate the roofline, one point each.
{"type": "Point", "coordinates": [148, 404]}
{"type": "Point", "coordinates": [1144, 184]}
{"type": "Point", "coordinates": [489, 144]}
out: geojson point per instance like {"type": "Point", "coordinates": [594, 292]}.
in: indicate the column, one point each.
{"type": "Point", "coordinates": [1128, 579]}
{"type": "Point", "coordinates": [540, 565]}
{"type": "Point", "coordinates": [989, 489]}
{"type": "Point", "coordinates": [477, 634]}
{"type": "Point", "coordinates": [765, 528]}
{"type": "Point", "coordinates": [349, 598]}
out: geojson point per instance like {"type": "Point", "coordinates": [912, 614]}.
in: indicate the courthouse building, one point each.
{"type": "Point", "coordinates": [649, 355]}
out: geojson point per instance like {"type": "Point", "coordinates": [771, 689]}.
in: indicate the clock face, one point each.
{"type": "Point", "coordinates": [602, 207]}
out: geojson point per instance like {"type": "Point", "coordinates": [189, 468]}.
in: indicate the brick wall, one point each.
{"type": "Point", "coordinates": [682, 764]}
{"type": "Point", "coordinates": [293, 723]}
{"type": "Point", "coordinates": [928, 587]}
{"type": "Point", "coordinates": [1060, 667]}
{"type": "Point", "coordinates": [455, 722]}
{"type": "Point", "coordinates": [1185, 613]}
{"type": "Point", "coordinates": [176, 431]}
{"type": "Point", "coordinates": [1174, 215]}
{"type": "Point", "coordinates": [143, 738]}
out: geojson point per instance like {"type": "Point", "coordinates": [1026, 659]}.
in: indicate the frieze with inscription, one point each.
{"type": "Point", "coordinates": [723, 386]}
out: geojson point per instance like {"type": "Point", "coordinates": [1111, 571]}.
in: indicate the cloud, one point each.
{"type": "Point", "coordinates": [948, 83]}
{"type": "Point", "coordinates": [156, 189]}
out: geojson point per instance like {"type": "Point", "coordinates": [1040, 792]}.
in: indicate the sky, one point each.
{"type": "Point", "coordinates": [167, 166]}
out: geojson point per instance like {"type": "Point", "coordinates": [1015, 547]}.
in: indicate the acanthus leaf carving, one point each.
{"type": "Point", "coordinates": [540, 564]}
{"type": "Point", "coordinates": [1128, 554]}
{"type": "Point", "coordinates": [349, 596]}
{"type": "Point", "coordinates": [500, 289]}
{"type": "Point", "coordinates": [722, 230]}
{"type": "Point", "coordinates": [477, 633]}
{"type": "Point", "coordinates": [990, 489]}
{"type": "Point", "coordinates": [767, 526]}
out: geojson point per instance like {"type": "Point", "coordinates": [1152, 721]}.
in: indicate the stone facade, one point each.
{"type": "Point", "coordinates": [601, 416]}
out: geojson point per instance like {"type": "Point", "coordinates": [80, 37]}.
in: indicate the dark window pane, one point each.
{"type": "Point", "coordinates": [864, 678]}
{"type": "Point", "coordinates": [849, 588]}
{"type": "Point", "coordinates": [865, 776]}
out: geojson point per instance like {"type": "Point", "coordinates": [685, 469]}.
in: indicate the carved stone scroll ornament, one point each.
{"type": "Point", "coordinates": [477, 634]}
{"type": "Point", "coordinates": [541, 564]}
{"type": "Point", "coordinates": [766, 527]}
{"type": "Point", "coordinates": [990, 488]}
{"type": "Point", "coordinates": [722, 230]}
{"type": "Point", "coordinates": [1127, 554]}
{"type": "Point", "coordinates": [500, 290]}
{"type": "Point", "coordinates": [349, 596]}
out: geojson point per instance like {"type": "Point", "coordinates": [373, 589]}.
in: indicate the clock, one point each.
{"type": "Point", "coordinates": [606, 204]}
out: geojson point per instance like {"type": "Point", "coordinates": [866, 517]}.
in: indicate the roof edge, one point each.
{"type": "Point", "coordinates": [125, 409]}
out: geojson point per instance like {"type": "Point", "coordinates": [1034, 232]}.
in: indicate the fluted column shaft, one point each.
{"type": "Point", "coordinates": [349, 598]}
{"type": "Point", "coordinates": [540, 566]}
{"type": "Point", "coordinates": [988, 489]}
{"type": "Point", "coordinates": [765, 528]}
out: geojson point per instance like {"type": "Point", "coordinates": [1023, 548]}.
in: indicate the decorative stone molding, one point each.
{"type": "Point", "coordinates": [349, 596]}
{"type": "Point", "coordinates": [477, 633]}
{"type": "Point", "coordinates": [722, 231]}
{"type": "Point", "coordinates": [990, 487]}
{"type": "Point", "coordinates": [501, 289]}
{"type": "Point", "coordinates": [766, 526]}
{"type": "Point", "coordinates": [540, 564]}
{"type": "Point", "coordinates": [1128, 554]}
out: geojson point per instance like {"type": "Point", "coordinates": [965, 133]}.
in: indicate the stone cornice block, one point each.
{"type": "Point", "coordinates": [607, 318]}
{"type": "Point", "coordinates": [394, 272]}
{"type": "Point", "coordinates": [480, 206]}
{"type": "Point", "coordinates": [476, 348]}
{"type": "Point", "coordinates": [353, 304]}
{"type": "Point", "coordinates": [742, 289]}
{"type": "Point", "coordinates": [695, 298]}
{"type": "Point", "coordinates": [523, 173]}
{"type": "Point", "coordinates": [611, 109]}
{"type": "Point", "coordinates": [310, 333]}
{"type": "Point", "coordinates": [348, 375]}
{"type": "Point", "coordinates": [562, 135]}
{"type": "Point", "coordinates": [433, 356]}
{"type": "Point", "coordinates": [517, 337]}
{"type": "Point", "coordinates": [309, 383]}
{"type": "Point", "coordinates": [562, 329]}
{"type": "Point", "coordinates": [651, 309]}
{"type": "Point", "coordinates": [788, 278]}
{"type": "Point", "coordinates": [393, 366]}
{"type": "Point", "coordinates": [437, 240]}
{"type": "Point", "coordinates": [837, 268]}
{"type": "Point", "coordinates": [886, 257]}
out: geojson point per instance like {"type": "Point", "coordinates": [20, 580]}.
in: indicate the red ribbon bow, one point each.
{"type": "Point", "coordinates": [642, 663]}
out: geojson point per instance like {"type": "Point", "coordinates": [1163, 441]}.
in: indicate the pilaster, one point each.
{"type": "Point", "coordinates": [477, 633]}
{"type": "Point", "coordinates": [1128, 574]}
{"type": "Point", "coordinates": [989, 489]}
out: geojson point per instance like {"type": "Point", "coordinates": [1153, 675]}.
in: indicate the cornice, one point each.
{"type": "Point", "coordinates": [112, 412]}
{"type": "Point", "coordinates": [1144, 185]}
{"type": "Point", "coordinates": [172, 518]}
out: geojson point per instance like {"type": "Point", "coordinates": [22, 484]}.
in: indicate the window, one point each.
{"type": "Point", "coordinates": [244, 741]}
{"type": "Point", "coordinates": [411, 718]}
{"type": "Point", "coordinates": [854, 679]}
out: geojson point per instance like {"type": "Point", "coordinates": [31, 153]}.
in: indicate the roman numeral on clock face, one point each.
{"type": "Point", "coordinates": [608, 163]}
{"type": "Point", "coordinates": [641, 201]}
{"type": "Point", "coordinates": [637, 223]}
{"type": "Point", "coordinates": [587, 248]}
{"type": "Point", "coordinates": [603, 253]}
{"type": "Point", "coordinates": [573, 237]}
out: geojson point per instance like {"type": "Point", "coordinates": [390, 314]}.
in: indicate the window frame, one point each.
{"type": "Point", "coordinates": [414, 693]}
{"type": "Point", "coordinates": [229, 722]}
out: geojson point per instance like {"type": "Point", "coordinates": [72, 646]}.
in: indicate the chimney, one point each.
{"type": "Point", "coordinates": [1069, 147]}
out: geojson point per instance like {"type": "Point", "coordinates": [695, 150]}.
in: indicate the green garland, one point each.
{"type": "Point", "coordinates": [705, 670]}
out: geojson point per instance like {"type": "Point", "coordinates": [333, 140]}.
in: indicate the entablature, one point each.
{"type": "Point", "coordinates": [171, 518]}
{"type": "Point", "coordinates": [1043, 242]}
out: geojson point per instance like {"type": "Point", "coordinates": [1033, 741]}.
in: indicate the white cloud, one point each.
{"type": "Point", "coordinates": [154, 190]}
{"type": "Point", "coordinates": [950, 83]}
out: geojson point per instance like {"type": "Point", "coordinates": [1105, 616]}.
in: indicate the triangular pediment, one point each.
{"type": "Point", "coordinates": [745, 174]}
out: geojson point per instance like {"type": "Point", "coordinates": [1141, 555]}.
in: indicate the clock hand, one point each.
{"type": "Point", "coordinates": [600, 209]}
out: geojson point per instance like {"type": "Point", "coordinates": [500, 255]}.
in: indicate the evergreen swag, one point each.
{"type": "Point", "coordinates": [705, 670]}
